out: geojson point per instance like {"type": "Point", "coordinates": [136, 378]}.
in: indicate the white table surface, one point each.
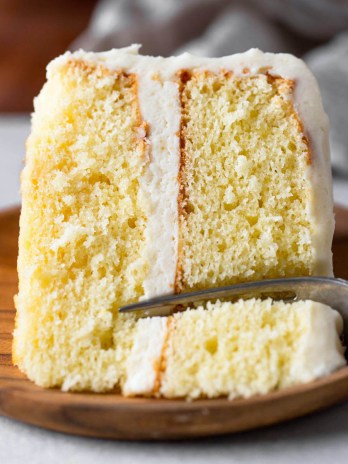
{"type": "Point", "coordinates": [319, 438]}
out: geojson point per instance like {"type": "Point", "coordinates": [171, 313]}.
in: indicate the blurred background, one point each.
{"type": "Point", "coordinates": [32, 32]}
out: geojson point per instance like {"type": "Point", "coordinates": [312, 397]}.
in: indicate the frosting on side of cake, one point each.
{"type": "Point", "coordinates": [157, 79]}
{"type": "Point", "coordinates": [320, 350]}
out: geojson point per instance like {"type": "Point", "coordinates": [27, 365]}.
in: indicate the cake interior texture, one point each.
{"type": "Point", "coordinates": [82, 227]}
{"type": "Point", "coordinates": [249, 347]}
{"type": "Point", "coordinates": [245, 213]}
{"type": "Point", "coordinates": [231, 149]}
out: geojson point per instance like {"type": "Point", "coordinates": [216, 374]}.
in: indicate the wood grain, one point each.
{"type": "Point", "coordinates": [112, 416]}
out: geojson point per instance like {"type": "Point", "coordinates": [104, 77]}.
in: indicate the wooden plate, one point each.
{"type": "Point", "coordinates": [112, 416]}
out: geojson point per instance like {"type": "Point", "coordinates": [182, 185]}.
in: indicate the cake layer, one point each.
{"type": "Point", "coordinates": [236, 349]}
{"type": "Point", "coordinates": [246, 187]}
{"type": "Point", "coordinates": [83, 223]}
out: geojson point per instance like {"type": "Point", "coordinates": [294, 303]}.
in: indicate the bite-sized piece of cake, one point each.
{"type": "Point", "coordinates": [234, 349]}
{"type": "Point", "coordinates": [149, 175]}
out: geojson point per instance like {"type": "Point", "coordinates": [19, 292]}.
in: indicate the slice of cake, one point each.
{"type": "Point", "coordinates": [147, 176]}
{"type": "Point", "coordinates": [234, 349]}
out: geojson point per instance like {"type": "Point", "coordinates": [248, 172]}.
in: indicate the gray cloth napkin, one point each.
{"type": "Point", "coordinates": [317, 30]}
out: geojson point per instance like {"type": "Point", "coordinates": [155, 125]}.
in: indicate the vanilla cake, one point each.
{"type": "Point", "coordinates": [146, 176]}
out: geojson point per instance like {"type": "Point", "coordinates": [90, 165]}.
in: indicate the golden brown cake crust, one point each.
{"type": "Point", "coordinates": [161, 363]}
{"type": "Point", "coordinates": [183, 76]}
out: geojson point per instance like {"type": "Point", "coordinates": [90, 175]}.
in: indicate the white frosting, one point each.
{"type": "Point", "coordinates": [319, 352]}
{"type": "Point", "coordinates": [143, 361]}
{"type": "Point", "coordinates": [160, 183]}
{"type": "Point", "coordinates": [159, 104]}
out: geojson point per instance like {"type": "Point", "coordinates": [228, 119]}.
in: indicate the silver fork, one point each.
{"type": "Point", "coordinates": [327, 290]}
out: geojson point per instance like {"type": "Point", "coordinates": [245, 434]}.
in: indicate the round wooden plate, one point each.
{"type": "Point", "coordinates": [113, 416]}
